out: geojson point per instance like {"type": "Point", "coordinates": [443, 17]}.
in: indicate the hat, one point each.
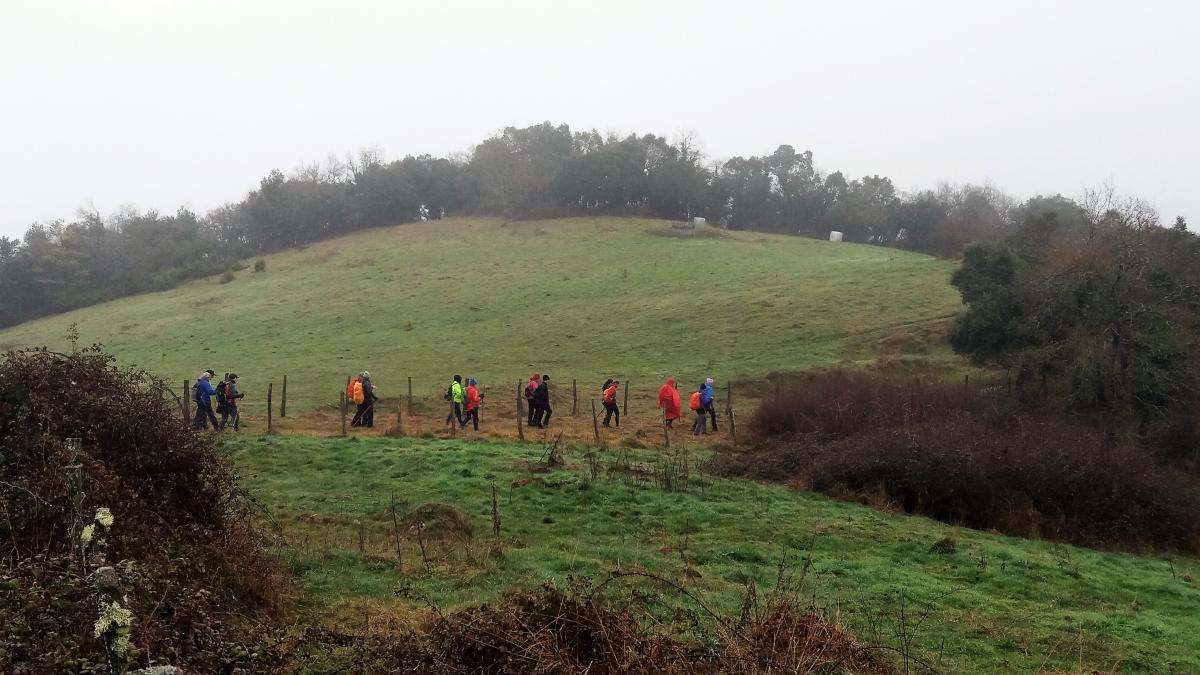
{"type": "Point", "coordinates": [458, 378]}
{"type": "Point", "coordinates": [708, 381]}
{"type": "Point", "coordinates": [231, 376]}
{"type": "Point", "coordinates": [471, 381]}
{"type": "Point", "coordinates": [210, 372]}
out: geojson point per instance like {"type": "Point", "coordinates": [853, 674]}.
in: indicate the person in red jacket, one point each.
{"type": "Point", "coordinates": [609, 391]}
{"type": "Point", "coordinates": [473, 398]}
{"type": "Point", "coordinates": [668, 401]}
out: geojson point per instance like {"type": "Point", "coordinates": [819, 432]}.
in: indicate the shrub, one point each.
{"type": "Point", "coordinates": [967, 458]}
{"type": "Point", "coordinates": [182, 521]}
{"type": "Point", "coordinates": [227, 277]}
{"type": "Point", "coordinates": [260, 265]}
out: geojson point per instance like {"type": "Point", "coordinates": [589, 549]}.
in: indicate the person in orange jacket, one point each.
{"type": "Point", "coordinates": [668, 401]}
{"type": "Point", "coordinates": [609, 391]}
{"type": "Point", "coordinates": [473, 399]}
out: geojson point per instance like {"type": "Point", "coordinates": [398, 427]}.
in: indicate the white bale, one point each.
{"type": "Point", "coordinates": [697, 221]}
{"type": "Point", "coordinates": [834, 235]}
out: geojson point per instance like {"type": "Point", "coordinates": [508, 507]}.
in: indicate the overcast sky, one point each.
{"type": "Point", "coordinates": [161, 104]}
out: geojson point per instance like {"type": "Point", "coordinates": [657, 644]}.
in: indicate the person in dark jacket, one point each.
{"type": "Point", "coordinates": [366, 410]}
{"type": "Point", "coordinates": [202, 393]}
{"type": "Point", "coordinates": [229, 409]}
{"type": "Point", "coordinates": [541, 403]}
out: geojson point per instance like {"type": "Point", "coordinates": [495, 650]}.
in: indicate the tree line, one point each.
{"type": "Point", "coordinates": [532, 172]}
{"type": "Point", "coordinates": [1094, 307]}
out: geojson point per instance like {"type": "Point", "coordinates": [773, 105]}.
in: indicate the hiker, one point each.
{"type": "Point", "coordinates": [668, 401]}
{"type": "Point", "coordinates": [706, 398]}
{"type": "Point", "coordinates": [696, 404]}
{"type": "Point", "coordinates": [202, 393]}
{"type": "Point", "coordinates": [354, 394]}
{"type": "Point", "coordinates": [369, 398]}
{"type": "Point", "coordinates": [530, 388]}
{"type": "Point", "coordinates": [473, 399]}
{"type": "Point", "coordinates": [455, 395]}
{"type": "Point", "coordinates": [227, 405]}
{"type": "Point", "coordinates": [362, 392]}
{"type": "Point", "coordinates": [541, 404]}
{"type": "Point", "coordinates": [609, 391]}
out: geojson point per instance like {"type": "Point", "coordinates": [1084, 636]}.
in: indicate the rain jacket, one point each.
{"type": "Point", "coordinates": [204, 391]}
{"type": "Point", "coordinates": [668, 399]}
{"type": "Point", "coordinates": [472, 397]}
{"type": "Point", "coordinates": [532, 385]}
{"type": "Point", "coordinates": [456, 392]}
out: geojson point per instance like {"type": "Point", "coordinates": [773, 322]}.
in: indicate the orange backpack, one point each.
{"type": "Point", "coordinates": [694, 404]}
{"type": "Point", "coordinates": [355, 382]}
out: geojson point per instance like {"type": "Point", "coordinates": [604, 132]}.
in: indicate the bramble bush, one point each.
{"type": "Point", "coordinates": [969, 457]}
{"type": "Point", "coordinates": [188, 552]}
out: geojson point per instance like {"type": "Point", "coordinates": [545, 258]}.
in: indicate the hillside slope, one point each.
{"type": "Point", "coordinates": [583, 298]}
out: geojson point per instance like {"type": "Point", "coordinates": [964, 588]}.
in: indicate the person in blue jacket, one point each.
{"type": "Point", "coordinates": [202, 394]}
{"type": "Point", "coordinates": [706, 400]}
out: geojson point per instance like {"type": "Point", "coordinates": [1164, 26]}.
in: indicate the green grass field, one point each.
{"type": "Point", "coordinates": [581, 298]}
{"type": "Point", "coordinates": [998, 604]}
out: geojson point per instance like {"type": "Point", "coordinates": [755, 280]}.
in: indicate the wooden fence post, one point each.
{"type": "Point", "coordinates": [520, 415]}
{"type": "Point", "coordinates": [343, 412]}
{"type": "Point", "coordinates": [283, 399]}
{"type": "Point", "coordinates": [410, 401]}
{"type": "Point", "coordinates": [733, 426]}
{"type": "Point", "coordinates": [453, 422]}
{"type": "Point", "coordinates": [595, 423]}
{"type": "Point", "coordinates": [728, 396]}
{"type": "Point", "coordinates": [574, 397]}
{"type": "Point", "coordinates": [666, 429]}
{"type": "Point", "coordinates": [626, 411]}
{"type": "Point", "coordinates": [400, 417]}
{"type": "Point", "coordinates": [270, 390]}
{"type": "Point", "coordinates": [187, 403]}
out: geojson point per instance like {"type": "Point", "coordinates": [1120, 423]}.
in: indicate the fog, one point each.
{"type": "Point", "coordinates": [158, 104]}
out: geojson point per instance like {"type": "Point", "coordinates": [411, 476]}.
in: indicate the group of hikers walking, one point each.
{"type": "Point", "coordinates": [465, 402]}
{"type": "Point", "coordinates": [227, 395]}
{"type": "Point", "coordinates": [700, 402]}
{"type": "Point", "coordinates": [537, 398]}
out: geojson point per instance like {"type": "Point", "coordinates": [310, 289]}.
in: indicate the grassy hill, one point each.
{"type": "Point", "coordinates": [582, 298]}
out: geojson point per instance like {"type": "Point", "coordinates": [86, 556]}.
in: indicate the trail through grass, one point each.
{"type": "Point", "coordinates": [995, 604]}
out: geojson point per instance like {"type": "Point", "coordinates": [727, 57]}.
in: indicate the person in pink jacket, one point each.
{"type": "Point", "coordinates": [668, 401]}
{"type": "Point", "coordinates": [530, 387]}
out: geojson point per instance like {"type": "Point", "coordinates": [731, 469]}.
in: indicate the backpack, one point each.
{"type": "Point", "coordinates": [196, 392]}
{"type": "Point", "coordinates": [694, 404]}
{"type": "Point", "coordinates": [449, 393]}
{"type": "Point", "coordinates": [358, 396]}
{"type": "Point", "coordinates": [223, 393]}
{"type": "Point", "coordinates": [357, 379]}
